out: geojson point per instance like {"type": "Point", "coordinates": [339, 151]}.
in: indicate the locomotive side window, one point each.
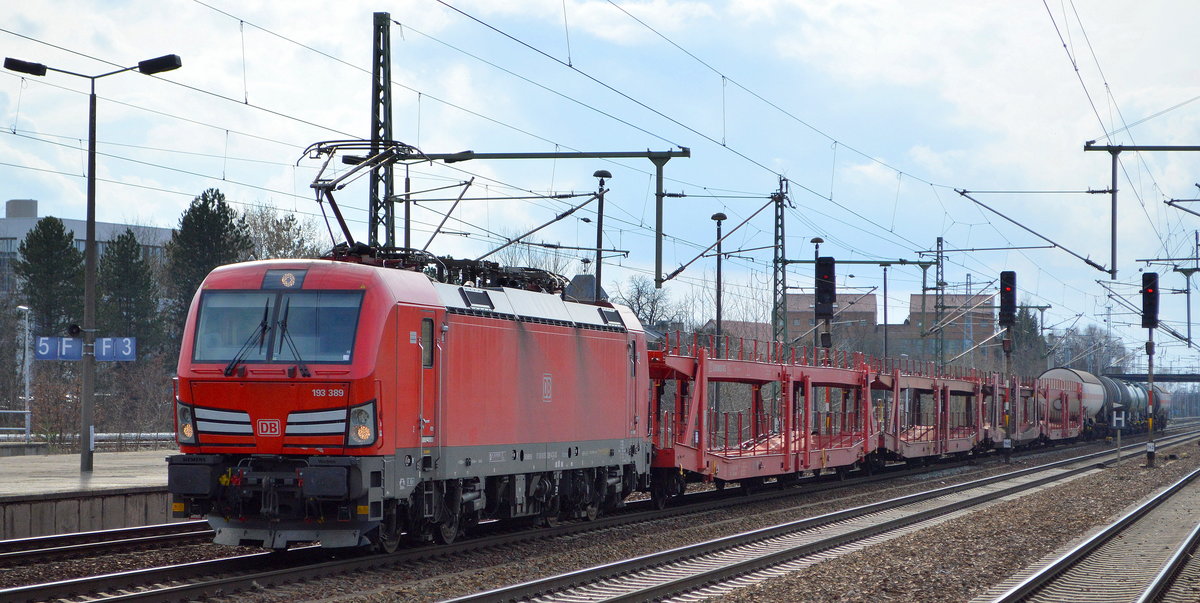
{"type": "Point", "coordinates": [427, 342]}
{"type": "Point", "coordinates": [277, 326]}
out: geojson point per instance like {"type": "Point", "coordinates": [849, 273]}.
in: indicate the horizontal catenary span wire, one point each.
{"type": "Point", "coordinates": [239, 184]}
{"type": "Point", "coordinates": [726, 78]}
{"type": "Point", "coordinates": [186, 86]}
{"type": "Point", "coordinates": [542, 86]}
{"type": "Point", "coordinates": [1075, 66]}
{"type": "Point", "coordinates": [226, 98]}
{"type": "Point", "coordinates": [495, 236]}
{"type": "Point", "coordinates": [222, 179]}
{"type": "Point", "coordinates": [861, 216]}
{"type": "Point", "coordinates": [148, 109]}
{"type": "Point", "coordinates": [41, 135]}
{"type": "Point", "coordinates": [272, 33]}
{"type": "Point", "coordinates": [235, 101]}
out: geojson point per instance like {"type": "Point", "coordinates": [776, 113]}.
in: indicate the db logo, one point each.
{"type": "Point", "coordinates": [268, 427]}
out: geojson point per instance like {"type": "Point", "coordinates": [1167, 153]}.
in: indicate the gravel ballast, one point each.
{"type": "Point", "coordinates": [953, 561]}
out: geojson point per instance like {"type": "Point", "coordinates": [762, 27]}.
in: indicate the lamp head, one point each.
{"type": "Point", "coordinates": [160, 64]}
{"type": "Point", "coordinates": [719, 216]}
{"type": "Point", "coordinates": [24, 66]}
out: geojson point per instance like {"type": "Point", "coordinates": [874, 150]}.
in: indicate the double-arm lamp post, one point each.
{"type": "Point", "coordinates": [87, 401]}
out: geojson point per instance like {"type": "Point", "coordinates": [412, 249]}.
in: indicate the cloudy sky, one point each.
{"type": "Point", "coordinates": [875, 112]}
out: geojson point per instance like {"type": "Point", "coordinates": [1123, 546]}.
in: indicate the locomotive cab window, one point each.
{"type": "Point", "coordinates": [276, 326]}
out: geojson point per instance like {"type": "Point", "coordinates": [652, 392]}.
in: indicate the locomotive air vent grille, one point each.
{"type": "Point", "coordinates": [318, 422]}
{"type": "Point", "coordinates": [223, 422]}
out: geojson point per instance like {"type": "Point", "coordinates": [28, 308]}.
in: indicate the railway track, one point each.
{"type": "Point", "coordinates": [79, 544]}
{"type": "Point", "coordinates": [1136, 558]}
{"type": "Point", "coordinates": [263, 570]}
{"type": "Point", "coordinates": [719, 566]}
{"type": "Point", "coordinates": [1179, 580]}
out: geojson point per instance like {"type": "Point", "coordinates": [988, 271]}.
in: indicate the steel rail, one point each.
{"type": "Point", "coordinates": [1165, 579]}
{"type": "Point", "coordinates": [76, 543]}
{"type": "Point", "coordinates": [561, 582]}
{"type": "Point", "coordinates": [1051, 571]}
{"type": "Point", "coordinates": [260, 569]}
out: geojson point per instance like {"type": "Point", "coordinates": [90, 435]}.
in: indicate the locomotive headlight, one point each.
{"type": "Point", "coordinates": [361, 429]}
{"type": "Point", "coordinates": [185, 427]}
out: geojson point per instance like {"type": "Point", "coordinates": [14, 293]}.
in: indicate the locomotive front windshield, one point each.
{"type": "Point", "coordinates": [276, 326]}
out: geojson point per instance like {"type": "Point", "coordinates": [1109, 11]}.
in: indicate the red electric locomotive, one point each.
{"type": "Point", "coordinates": [350, 403]}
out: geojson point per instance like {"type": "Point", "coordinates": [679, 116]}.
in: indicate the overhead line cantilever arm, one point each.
{"type": "Point", "coordinates": [1173, 203]}
{"type": "Point", "coordinates": [977, 346]}
{"type": "Point", "coordinates": [447, 216]}
{"type": "Point", "coordinates": [937, 327]}
{"type": "Point", "coordinates": [1034, 232]}
{"type": "Point", "coordinates": [658, 158]}
{"type": "Point", "coordinates": [835, 314]}
{"type": "Point", "coordinates": [707, 249]}
{"type": "Point", "coordinates": [556, 218]}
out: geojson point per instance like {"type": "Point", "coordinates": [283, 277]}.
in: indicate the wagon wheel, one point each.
{"type": "Point", "coordinates": [719, 484]}
{"type": "Point", "coordinates": [658, 495]}
{"type": "Point", "coordinates": [592, 510]}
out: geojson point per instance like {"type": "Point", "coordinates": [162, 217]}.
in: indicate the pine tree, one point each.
{"type": "Point", "coordinates": [51, 273]}
{"type": "Point", "coordinates": [129, 295]}
{"type": "Point", "coordinates": [210, 234]}
{"type": "Point", "coordinates": [1029, 347]}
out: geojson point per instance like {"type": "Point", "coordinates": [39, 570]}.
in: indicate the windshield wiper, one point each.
{"type": "Point", "coordinates": [284, 335]}
{"type": "Point", "coordinates": [259, 333]}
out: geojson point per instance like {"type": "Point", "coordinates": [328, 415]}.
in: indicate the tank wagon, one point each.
{"type": "Point", "coordinates": [1104, 396]}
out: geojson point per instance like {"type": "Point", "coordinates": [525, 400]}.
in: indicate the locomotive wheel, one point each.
{"type": "Point", "coordinates": [387, 537]}
{"type": "Point", "coordinates": [389, 543]}
{"type": "Point", "coordinates": [447, 531]}
{"type": "Point", "coordinates": [552, 513]}
{"type": "Point", "coordinates": [592, 510]}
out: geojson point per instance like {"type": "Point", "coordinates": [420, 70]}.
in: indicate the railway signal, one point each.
{"type": "Point", "coordinates": [1149, 300]}
{"type": "Point", "coordinates": [826, 288]}
{"type": "Point", "coordinates": [1008, 298]}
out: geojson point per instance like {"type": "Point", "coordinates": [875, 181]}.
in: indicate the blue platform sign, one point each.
{"type": "Point", "coordinates": [120, 349]}
{"type": "Point", "coordinates": [58, 348]}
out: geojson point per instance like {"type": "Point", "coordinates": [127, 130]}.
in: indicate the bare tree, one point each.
{"type": "Point", "coordinates": [533, 255]}
{"type": "Point", "coordinates": [652, 306]}
{"type": "Point", "coordinates": [276, 235]}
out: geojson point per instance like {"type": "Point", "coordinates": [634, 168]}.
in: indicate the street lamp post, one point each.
{"type": "Point", "coordinates": [87, 399]}
{"type": "Point", "coordinates": [718, 218]}
{"type": "Point", "coordinates": [25, 358]}
{"type": "Point", "coordinates": [601, 174]}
